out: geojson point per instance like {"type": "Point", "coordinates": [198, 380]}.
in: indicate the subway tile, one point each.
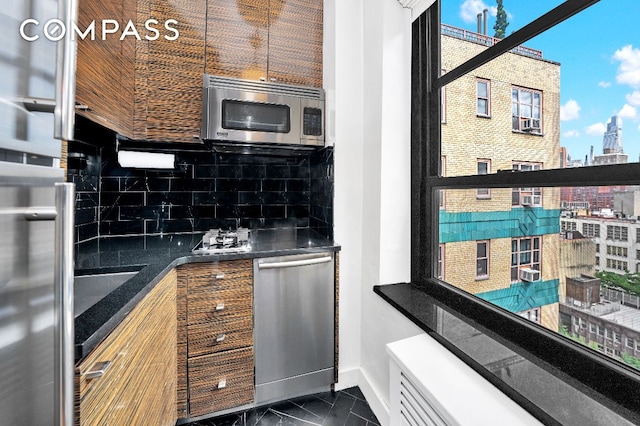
{"type": "Point", "coordinates": [253, 171]}
{"type": "Point", "coordinates": [169, 198]}
{"type": "Point", "coordinates": [205, 171]}
{"type": "Point", "coordinates": [230, 171]}
{"type": "Point", "coordinates": [274, 185]}
{"type": "Point", "coordinates": [122, 198]}
{"type": "Point", "coordinates": [122, 227]}
{"type": "Point", "coordinates": [274, 212]}
{"type": "Point", "coordinates": [168, 226]}
{"type": "Point", "coordinates": [213, 198]}
{"type": "Point", "coordinates": [227, 185]}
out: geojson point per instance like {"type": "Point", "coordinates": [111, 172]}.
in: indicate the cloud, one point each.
{"type": "Point", "coordinates": [628, 111]}
{"type": "Point", "coordinates": [571, 134]}
{"type": "Point", "coordinates": [470, 9]}
{"type": "Point", "coordinates": [604, 84]}
{"type": "Point", "coordinates": [570, 111]}
{"type": "Point", "coordinates": [634, 98]}
{"type": "Point", "coordinates": [596, 129]}
{"type": "Point", "coordinates": [629, 68]}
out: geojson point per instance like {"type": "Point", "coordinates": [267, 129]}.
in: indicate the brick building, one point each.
{"type": "Point", "coordinates": [504, 116]}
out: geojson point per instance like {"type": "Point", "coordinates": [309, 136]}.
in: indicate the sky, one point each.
{"type": "Point", "coordinates": [599, 53]}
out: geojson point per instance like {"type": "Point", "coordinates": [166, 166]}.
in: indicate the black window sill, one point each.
{"type": "Point", "coordinates": [545, 381]}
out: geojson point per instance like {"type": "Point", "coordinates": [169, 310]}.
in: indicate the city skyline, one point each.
{"type": "Point", "coordinates": [588, 99]}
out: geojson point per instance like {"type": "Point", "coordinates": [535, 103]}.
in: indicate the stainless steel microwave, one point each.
{"type": "Point", "coordinates": [249, 111]}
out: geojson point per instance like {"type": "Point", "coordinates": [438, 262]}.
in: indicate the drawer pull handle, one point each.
{"type": "Point", "coordinates": [220, 276]}
{"type": "Point", "coordinates": [219, 306]}
{"type": "Point", "coordinates": [220, 338]}
{"type": "Point", "coordinates": [222, 384]}
{"type": "Point", "coordinates": [98, 370]}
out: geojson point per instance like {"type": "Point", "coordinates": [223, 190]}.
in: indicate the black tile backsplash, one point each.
{"type": "Point", "coordinates": [205, 190]}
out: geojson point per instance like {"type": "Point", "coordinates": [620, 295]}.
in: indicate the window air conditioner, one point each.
{"type": "Point", "coordinates": [529, 275]}
{"type": "Point", "coordinates": [529, 124]}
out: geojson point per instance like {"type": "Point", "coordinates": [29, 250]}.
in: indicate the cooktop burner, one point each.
{"type": "Point", "coordinates": [224, 241]}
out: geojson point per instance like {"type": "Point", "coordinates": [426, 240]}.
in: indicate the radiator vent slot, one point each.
{"type": "Point", "coordinates": [415, 409]}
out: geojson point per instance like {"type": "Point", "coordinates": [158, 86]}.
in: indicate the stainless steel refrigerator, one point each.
{"type": "Point", "coordinates": [36, 296]}
{"type": "Point", "coordinates": [37, 94]}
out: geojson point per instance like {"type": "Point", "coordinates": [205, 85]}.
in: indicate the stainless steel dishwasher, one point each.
{"type": "Point", "coordinates": [293, 325]}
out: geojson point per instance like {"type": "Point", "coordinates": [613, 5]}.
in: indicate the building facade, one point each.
{"type": "Point", "coordinates": [501, 244]}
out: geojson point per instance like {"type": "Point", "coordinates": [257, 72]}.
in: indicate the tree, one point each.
{"type": "Point", "coordinates": [501, 24]}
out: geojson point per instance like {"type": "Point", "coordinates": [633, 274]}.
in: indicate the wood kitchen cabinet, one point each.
{"type": "Point", "coordinates": [270, 40]}
{"type": "Point", "coordinates": [215, 337]}
{"type": "Point", "coordinates": [139, 385]}
{"type": "Point", "coordinates": [152, 89]}
{"type": "Point", "coordinates": [143, 89]}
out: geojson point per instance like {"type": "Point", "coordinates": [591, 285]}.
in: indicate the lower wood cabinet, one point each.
{"type": "Point", "coordinates": [215, 337]}
{"type": "Point", "coordinates": [130, 378]}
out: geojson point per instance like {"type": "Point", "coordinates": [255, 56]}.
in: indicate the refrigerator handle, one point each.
{"type": "Point", "coordinates": [63, 299]}
{"type": "Point", "coordinates": [65, 96]}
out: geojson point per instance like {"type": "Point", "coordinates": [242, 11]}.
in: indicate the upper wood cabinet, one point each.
{"type": "Point", "coordinates": [270, 40]}
{"type": "Point", "coordinates": [143, 89]}
{"type": "Point", "coordinates": [152, 89]}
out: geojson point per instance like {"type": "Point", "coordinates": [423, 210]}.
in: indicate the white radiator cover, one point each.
{"type": "Point", "coordinates": [429, 386]}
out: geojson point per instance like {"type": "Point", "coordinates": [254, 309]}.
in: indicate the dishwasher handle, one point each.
{"type": "Point", "coordinates": [293, 263]}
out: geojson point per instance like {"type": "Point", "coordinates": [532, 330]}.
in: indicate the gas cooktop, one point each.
{"type": "Point", "coordinates": [217, 241]}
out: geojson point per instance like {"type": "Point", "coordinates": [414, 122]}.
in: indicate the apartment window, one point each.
{"type": "Point", "coordinates": [525, 254]}
{"type": "Point", "coordinates": [566, 225]}
{"type": "Point", "coordinates": [443, 103]}
{"type": "Point", "coordinates": [467, 221]}
{"type": "Point", "coordinates": [532, 315]}
{"type": "Point", "coordinates": [630, 343]}
{"type": "Point", "coordinates": [617, 251]}
{"type": "Point", "coordinates": [618, 233]}
{"type": "Point", "coordinates": [526, 110]}
{"type": "Point", "coordinates": [440, 272]}
{"type": "Point", "coordinates": [607, 334]}
{"type": "Point", "coordinates": [527, 197]}
{"type": "Point", "coordinates": [616, 337]}
{"type": "Point", "coordinates": [484, 168]}
{"type": "Point", "coordinates": [483, 93]}
{"type": "Point", "coordinates": [591, 230]}
{"type": "Point", "coordinates": [638, 235]}
{"type": "Point", "coordinates": [600, 331]}
{"type": "Point", "coordinates": [637, 254]}
{"type": "Point", "coordinates": [597, 262]}
{"type": "Point", "coordinates": [443, 168]}
{"type": "Point", "coordinates": [619, 265]}
{"type": "Point", "coordinates": [482, 259]}
{"type": "Point", "coordinates": [597, 248]}
{"type": "Point", "coordinates": [592, 328]}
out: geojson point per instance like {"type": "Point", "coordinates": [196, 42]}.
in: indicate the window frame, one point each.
{"type": "Point", "coordinates": [483, 193]}
{"type": "Point", "coordinates": [485, 275]}
{"type": "Point", "coordinates": [487, 84]}
{"type": "Point", "coordinates": [578, 364]}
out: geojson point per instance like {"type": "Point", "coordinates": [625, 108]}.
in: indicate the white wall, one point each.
{"type": "Point", "coordinates": [367, 77]}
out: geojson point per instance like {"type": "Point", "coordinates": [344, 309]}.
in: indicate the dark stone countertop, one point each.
{"type": "Point", "coordinates": [154, 256]}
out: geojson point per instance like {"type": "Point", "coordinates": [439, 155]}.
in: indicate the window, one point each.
{"type": "Point", "coordinates": [443, 103]}
{"type": "Point", "coordinates": [483, 98]}
{"type": "Point", "coordinates": [482, 259]}
{"type": "Point", "coordinates": [591, 230]}
{"type": "Point", "coordinates": [484, 167]}
{"type": "Point", "coordinates": [616, 264]}
{"type": "Point", "coordinates": [592, 328]}
{"type": "Point", "coordinates": [525, 254]}
{"type": "Point", "coordinates": [522, 218]}
{"type": "Point", "coordinates": [616, 232]}
{"type": "Point", "coordinates": [443, 167]}
{"type": "Point", "coordinates": [526, 110]}
{"type": "Point", "coordinates": [529, 197]}
{"type": "Point", "coordinates": [597, 248]}
{"type": "Point", "coordinates": [566, 225]}
{"type": "Point", "coordinates": [532, 315]}
{"type": "Point", "coordinates": [440, 272]}
{"type": "Point", "coordinates": [629, 342]}
{"type": "Point", "coordinates": [617, 251]}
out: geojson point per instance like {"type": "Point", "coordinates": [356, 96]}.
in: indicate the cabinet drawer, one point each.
{"type": "Point", "coordinates": [216, 306]}
{"type": "Point", "coordinates": [220, 381]}
{"type": "Point", "coordinates": [220, 336]}
{"type": "Point", "coordinates": [219, 275]}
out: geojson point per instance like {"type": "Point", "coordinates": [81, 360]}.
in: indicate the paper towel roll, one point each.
{"type": "Point", "coordinates": [146, 160]}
